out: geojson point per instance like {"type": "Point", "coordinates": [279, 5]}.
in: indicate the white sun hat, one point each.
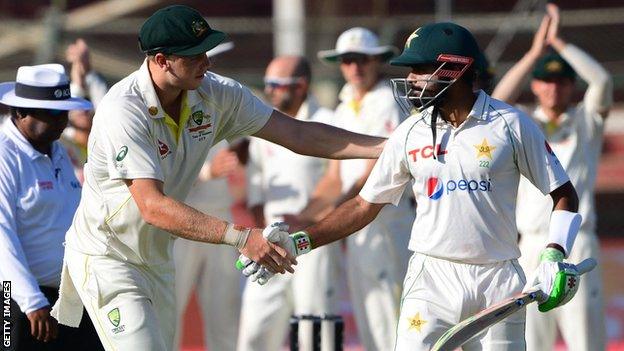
{"type": "Point", "coordinates": [42, 86]}
{"type": "Point", "coordinates": [358, 40]}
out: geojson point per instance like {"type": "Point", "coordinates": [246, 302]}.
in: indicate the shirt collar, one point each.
{"type": "Point", "coordinates": [347, 93]}
{"type": "Point", "coordinates": [16, 137]}
{"type": "Point", "coordinates": [146, 85]}
{"type": "Point", "coordinates": [480, 108]}
{"type": "Point", "coordinates": [541, 116]}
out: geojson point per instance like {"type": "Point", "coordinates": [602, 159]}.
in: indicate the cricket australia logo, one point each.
{"type": "Point", "coordinates": [198, 130]}
{"type": "Point", "coordinates": [115, 318]}
{"type": "Point", "coordinates": [123, 151]}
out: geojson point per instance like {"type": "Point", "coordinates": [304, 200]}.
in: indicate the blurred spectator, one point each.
{"type": "Point", "coordinates": [281, 182]}
{"type": "Point", "coordinates": [205, 266]}
{"type": "Point", "coordinates": [377, 255]}
{"type": "Point", "coordinates": [88, 84]}
{"type": "Point", "coordinates": [574, 132]}
{"type": "Point", "coordinates": [38, 197]}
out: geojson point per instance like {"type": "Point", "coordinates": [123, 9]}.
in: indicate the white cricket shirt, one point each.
{"type": "Point", "coordinates": [133, 138]}
{"type": "Point", "coordinates": [281, 179]}
{"type": "Point", "coordinates": [577, 141]}
{"type": "Point", "coordinates": [466, 197]}
{"type": "Point", "coordinates": [38, 198]}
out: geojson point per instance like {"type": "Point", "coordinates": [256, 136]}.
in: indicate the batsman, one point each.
{"type": "Point", "coordinates": [463, 153]}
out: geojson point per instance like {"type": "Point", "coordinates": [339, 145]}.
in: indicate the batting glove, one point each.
{"type": "Point", "coordinates": [558, 280]}
{"type": "Point", "coordinates": [296, 244]}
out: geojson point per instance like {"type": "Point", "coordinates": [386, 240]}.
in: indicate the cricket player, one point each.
{"type": "Point", "coordinates": [463, 153]}
{"type": "Point", "coordinates": [150, 137]}
{"type": "Point", "coordinates": [377, 255]}
{"type": "Point", "coordinates": [281, 182]}
{"type": "Point", "coordinates": [202, 266]}
{"type": "Point", "coordinates": [575, 134]}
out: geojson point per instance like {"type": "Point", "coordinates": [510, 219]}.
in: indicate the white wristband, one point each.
{"type": "Point", "coordinates": [236, 235]}
{"type": "Point", "coordinates": [564, 225]}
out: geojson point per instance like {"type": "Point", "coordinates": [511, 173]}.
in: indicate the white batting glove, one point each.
{"type": "Point", "coordinates": [558, 280]}
{"type": "Point", "coordinates": [253, 270]}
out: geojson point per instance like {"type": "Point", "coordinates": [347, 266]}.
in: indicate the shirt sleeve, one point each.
{"type": "Point", "coordinates": [13, 262]}
{"type": "Point", "coordinates": [255, 191]}
{"type": "Point", "coordinates": [535, 158]}
{"type": "Point", "coordinates": [244, 114]}
{"type": "Point", "coordinates": [390, 175]}
{"type": "Point", "coordinates": [130, 152]}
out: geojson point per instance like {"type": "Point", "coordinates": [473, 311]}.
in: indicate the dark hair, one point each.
{"type": "Point", "coordinates": [15, 111]}
{"type": "Point", "coordinates": [303, 69]}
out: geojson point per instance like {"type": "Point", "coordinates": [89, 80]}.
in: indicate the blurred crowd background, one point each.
{"type": "Point", "coordinates": [38, 31]}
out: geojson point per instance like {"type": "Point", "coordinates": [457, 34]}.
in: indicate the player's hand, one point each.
{"type": "Point", "coordinates": [43, 327]}
{"type": "Point", "coordinates": [558, 280]}
{"type": "Point", "coordinates": [540, 44]}
{"type": "Point", "coordinates": [261, 250]}
{"type": "Point", "coordinates": [553, 29]}
{"type": "Point", "coordinates": [223, 164]}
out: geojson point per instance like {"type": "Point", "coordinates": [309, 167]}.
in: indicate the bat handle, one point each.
{"type": "Point", "coordinates": [586, 265]}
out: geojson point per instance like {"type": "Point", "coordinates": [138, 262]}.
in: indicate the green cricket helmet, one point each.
{"type": "Point", "coordinates": [449, 46]}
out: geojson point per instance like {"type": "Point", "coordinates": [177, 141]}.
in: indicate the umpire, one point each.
{"type": "Point", "coordinates": [39, 194]}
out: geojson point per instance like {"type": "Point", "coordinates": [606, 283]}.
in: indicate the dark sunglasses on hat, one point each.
{"type": "Point", "coordinates": [275, 82]}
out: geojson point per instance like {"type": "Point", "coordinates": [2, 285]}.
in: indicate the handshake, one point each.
{"type": "Point", "coordinates": [295, 244]}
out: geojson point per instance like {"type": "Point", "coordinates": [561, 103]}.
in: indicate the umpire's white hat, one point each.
{"type": "Point", "coordinates": [358, 40]}
{"type": "Point", "coordinates": [42, 86]}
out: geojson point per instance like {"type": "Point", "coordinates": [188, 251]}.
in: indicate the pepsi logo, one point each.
{"type": "Point", "coordinates": [434, 188]}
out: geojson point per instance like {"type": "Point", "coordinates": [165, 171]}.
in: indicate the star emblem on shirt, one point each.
{"type": "Point", "coordinates": [484, 149]}
{"type": "Point", "coordinates": [416, 322]}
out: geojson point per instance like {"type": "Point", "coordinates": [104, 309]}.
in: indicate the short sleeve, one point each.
{"type": "Point", "coordinates": [126, 144]}
{"type": "Point", "coordinates": [388, 179]}
{"type": "Point", "coordinates": [535, 158]}
{"type": "Point", "coordinates": [244, 113]}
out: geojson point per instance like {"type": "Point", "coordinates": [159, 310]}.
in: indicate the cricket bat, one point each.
{"type": "Point", "coordinates": [471, 326]}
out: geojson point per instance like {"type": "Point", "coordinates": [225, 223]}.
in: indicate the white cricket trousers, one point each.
{"type": "Point", "coordinates": [438, 294]}
{"type": "Point", "coordinates": [311, 290]}
{"type": "Point", "coordinates": [132, 307]}
{"type": "Point", "coordinates": [582, 320]}
{"type": "Point", "coordinates": [211, 271]}
{"type": "Point", "coordinates": [377, 257]}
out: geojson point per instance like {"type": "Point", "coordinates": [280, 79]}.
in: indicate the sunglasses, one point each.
{"type": "Point", "coordinates": [275, 82]}
{"type": "Point", "coordinates": [349, 59]}
{"type": "Point", "coordinates": [42, 111]}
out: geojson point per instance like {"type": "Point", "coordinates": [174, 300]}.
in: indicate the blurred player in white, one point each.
{"type": "Point", "coordinates": [150, 138]}
{"type": "Point", "coordinates": [463, 155]}
{"type": "Point", "coordinates": [377, 255]}
{"type": "Point", "coordinates": [575, 134]}
{"type": "Point", "coordinates": [204, 266]}
{"type": "Point", "coordinates": [281, 182]}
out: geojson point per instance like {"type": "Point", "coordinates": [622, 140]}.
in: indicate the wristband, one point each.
{"type": "Point", "coordinates": [236, 236]}
{"type": "Point", "coordinates": [564, 225]}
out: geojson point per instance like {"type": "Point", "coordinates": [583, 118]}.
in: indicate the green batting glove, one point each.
{"type": "Point", "coordinates": [558, 280]}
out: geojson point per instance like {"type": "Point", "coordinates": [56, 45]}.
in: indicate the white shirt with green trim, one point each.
{"type": "Point", "coordinates": [466, 197]}
{"type": "Point", "coordinates": [130, 139]}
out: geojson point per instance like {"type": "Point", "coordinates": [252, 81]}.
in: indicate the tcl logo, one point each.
{"type": "Point", "coordinates": [436, 187]}
{"type": "Point", "coordinates": [426, 152]}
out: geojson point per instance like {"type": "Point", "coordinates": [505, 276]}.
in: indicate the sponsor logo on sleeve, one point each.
{"type": "Point", "coordinates": [123, 151]}
{"type": "Point", "coordinates": [163, 149]}
{"type": "Point", "coordinates": [551, 153]}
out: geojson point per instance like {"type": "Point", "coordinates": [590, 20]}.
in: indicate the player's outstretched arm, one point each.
{"type": "Point", "coordinates": [184, 221]}
{"type": "Point", "coordinates": [510, 86]}
{"type": "Point", "coordinates": [318, 139]}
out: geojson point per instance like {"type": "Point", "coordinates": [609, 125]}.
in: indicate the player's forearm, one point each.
{"type": "Point", "coordinates": [565, 198]}
{"type": "Point", "coordinates": [322, 140]}
{"type": "Point", "coordinates": [599, 94]}
{"type": "Point", "coordinates": [510, 86]}
{"type": "Point", "coordinates": [183, 221]}
{"type": "Point", "coordinates": [348, 218]}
